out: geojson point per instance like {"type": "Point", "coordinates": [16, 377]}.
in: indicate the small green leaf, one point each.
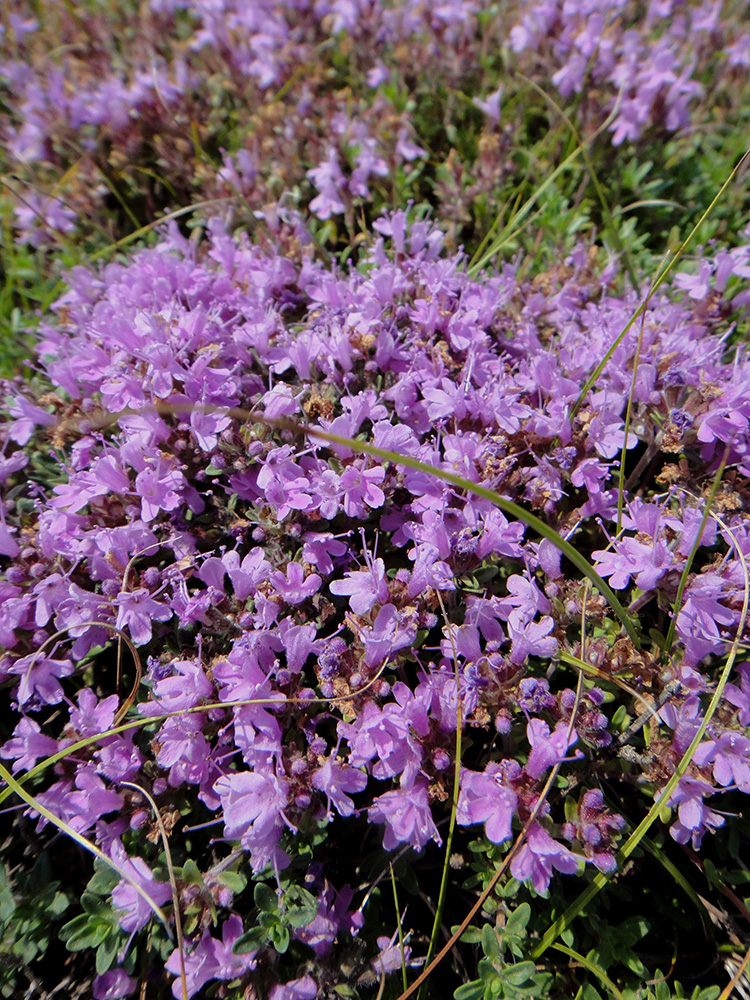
{"type": "Point", "coordinates": [301, 906]}
{"type": "Point", "coordinates": [191, 874]}
{"type": "Point", "coordinates": [518, 974]}
{"type": "Point", "coordinates": [106, 954]}
{"type": "Point", "coordinates": [234, 881]}
{"type": "Point", "coordinates": [249, 941]}
{"type": "Point", "coordinates": [517, 921]}
{"type": "Point", "coordinates": [470, 991]}
{"type": "Point", "coordinates": [490, 943]}
{"type": "Point", "coordinates": [472, 935]}
{"type": "Point", "coordinates": [265, 898]}
{"type": "Point", "coordinates": [279, 935]}
{"type": "Point", "coordinates": [83, 932]}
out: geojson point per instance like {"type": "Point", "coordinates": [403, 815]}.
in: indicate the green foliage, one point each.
{"type": "Point", "coordinates": [30, 911]}
{"type": "Point", "coordinates": [500, 975]}
{"type": "Point", "coordinates": [97, 927]}
{"type": "Point", "coordinates": [277, 914]}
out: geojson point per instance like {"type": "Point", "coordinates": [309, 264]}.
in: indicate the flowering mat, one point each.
{"type": "Point", "coordinates": [374, 513]}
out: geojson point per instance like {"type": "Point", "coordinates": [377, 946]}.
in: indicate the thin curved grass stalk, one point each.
{"type": "Point", "coordinates": [195, 710]}
{"type": "Point", "coordinates": [364, 447]}
{"type": "Point", "coordinates": [123, 709]}
{"type": "Point", "coordinates": [515, 848]}
{"type": "Point", "coordinates": [401, 944]}
{"type": "Point", "coordinates": [600, 974]}
{"type": "Point", "coordinates": [497, 245]}
{"type": "Point", "coordinates": [691, 557]}
{"type": "Point", "coordinates": [172, 882]}
{"type": "Point", "coordinates": [600, 881]}
{"type": "Point", "coordinates": [17, 787]}
{"type": "Point", "coordinates": [619, 246]}
{"type": "Point", "coordinates": [661, 276]}
{"type": "Point", "coordinates": [454, 803]}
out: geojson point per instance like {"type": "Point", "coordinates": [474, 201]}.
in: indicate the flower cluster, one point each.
{"type": "Point", "coordinates": [316, 623]}
{"type": "Point", "coordinates": [297, 108]}
{"type": "Point", "coordinates": [650, 62]}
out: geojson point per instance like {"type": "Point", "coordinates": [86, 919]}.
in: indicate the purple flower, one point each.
{"type": "Point", "coordinates": [93, 716]}
{"type": "Point", "coordinates": [295, 587]}
{"type": "Point", "coordinates": [730, 756]}
{"type": "Point", "coordinates": [40, 678]}
{"type": "Point", "coordinates": [186, 688]}
{"type": "Point", "coordinates": [360, 490]}
{"type": "Point", "coordinates": [27, 745]}
{"type": "Point", "coordinates": [391, 631]}
{"type": "Point", "coordinates": [246, 576]}
{"type": "Point", "coordinates": [329, 180]}
{"type": "Point", "coordinates": [335, 779]}
{"type": "Point", "coordinates": [391, 957]}
{"type": "Point", "coordinates": [694, 816]}
{"type": "Point", "coordinates": [648, 563]}
{"type": "Point", "coordinates": [364, 588]}
{"type": "Point", "coordinates": [546, 750]}
{"type": "Point", "coordinates": [530, 638]}
{"type": "Point", "coordinates": [113, 985]}
{"type": "Point", "coordinates": [407, 815]}
{"type": "Point", "coordinates": [538, 856]}
{"type": "Point", "coordinates": [136, 611]}
{"type": "Point", "coordinates": [211, 959]}
{"type": "Point", "coordinates": [158, 487]}
{"type": "Point", "coordinates": [135, 911]}
{"type": "Point", "coordinates": [483, 799]}
{"type": "Point", "coordinates": [296, 989]}
{"type": "Point", "coordinates": [253, 804]}
{"type": "Point", "coordinates": [740, 696]}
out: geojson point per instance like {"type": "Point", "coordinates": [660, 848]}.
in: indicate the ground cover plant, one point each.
{"type": "Point", "coordinates": [374, 531]}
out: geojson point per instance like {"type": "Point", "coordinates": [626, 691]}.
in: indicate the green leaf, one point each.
{"type": "Point", "coordinates": [106, 953]}
{"type": "Point", "coordinates": [103, 881]}
{"type": "Point", "coordinates": [83, 932]}
{"type": "Point", "coordinates": [249, 941]}
{"type": "Point", "coordinates": [234, 881]}
{"type": "Point", "coordinates": [490, 943]}
{"type": "Point", "coordinates": [472, 935]}
{"type": "Point", "coordinates": [517, 921]}
{"type": "Point", "coordinates": [279, 935]}
{"type": "Point", "coordinates": [518, 974]}
{"type": "Point", "coordinates": [265, 898]}
{"type": "Point", "coordinates": [191, 874]}
{"type": "Point", "coordinates": [470, 991]}
{"type": "Point", "coordinates": [301, 906]}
